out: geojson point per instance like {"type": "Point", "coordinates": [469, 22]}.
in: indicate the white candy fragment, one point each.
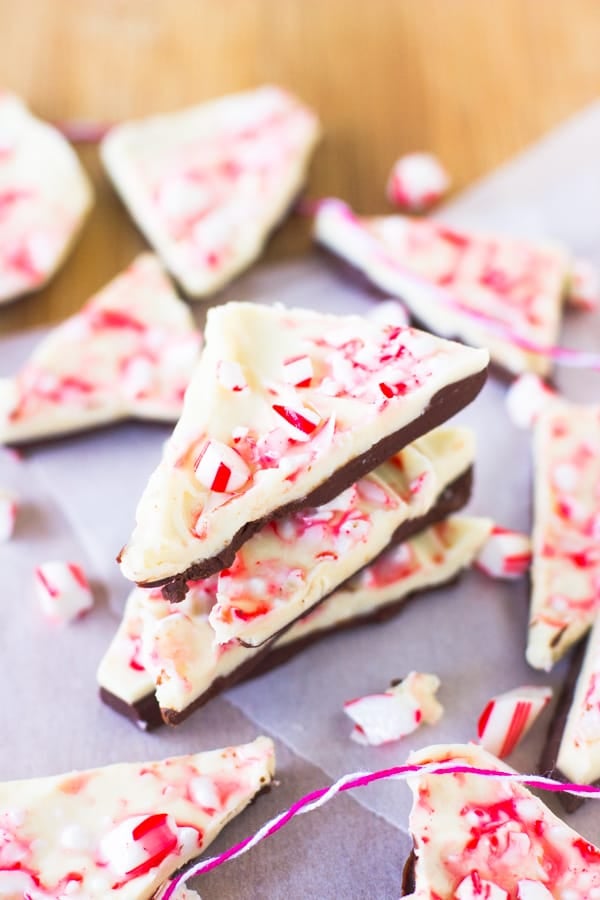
{"type": "Point", "coordinates": [475, 888]}
{"type": "Point", "coordinates": [390, 312]}
{"type": "Point", "coordinates": [8, 515]}
{"type": "Point", "coordinates": [298, 371]}
{"type": "Point", "coordinates": [526, 398]}
{"type": "Point", "coordinates": [532, 890]}
{"type": "Point", "coordinates": [230, 375]}
{"type": "Point", "coordinates": [505, 554]}
{"type": "Point", "coordinates": [508, 717]}
{"type": "Point", "coordinates": [417, 181]}
{"type": "Point", "coordinates": [381, 718]}
{"type": "Point", "coordinates": [139, 843]}
{"type": "Point", "coordinates": [63, 591]}
{"type": "Point", "coordinates": [584, 289]}
{"type": "Point", "coordinates": [298, 424]}
{"type": "Point", "coordinates": [221, 468]}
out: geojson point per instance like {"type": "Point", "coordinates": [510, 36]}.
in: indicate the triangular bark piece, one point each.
{"type": "Point", "coordinates": [123, 830]}
{"type": "Point", "coordinates": [478, 837]}
{"type": "Point", "coordinates": [492, 292]}
{"type": "Point", "coordinates": [287, 409]}
{"type": "Point", "coordinates": [208, 184]}
{"type": "Point", "coordinates": [128, 353]}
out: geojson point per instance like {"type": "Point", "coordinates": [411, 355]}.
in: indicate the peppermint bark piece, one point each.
{"type": "Point", "coordinates": [129, 352]}
{"type": "Point", "coordinates": [123, 830]}
{"type": "Point", "coordinates": [45, 196]}
{"type": "Point", "coordinates": [502, 293]}
{"type": "Point", "coordinates": [573, 744]}
{"type": "Point", "coordinates": [292, 563]}
{"type": "Point", "coordinates": [208, 184]}
{"type": "Point", "coordinates": [170, 649]}
{"type": "Point", "coordinates": [566, 557]}
{"type": "Point", "coordinates": [287, 409]}
{"type": "Point", "coordinates": [479, 837]}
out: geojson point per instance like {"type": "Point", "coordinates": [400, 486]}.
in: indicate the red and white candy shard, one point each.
{"type": "Point", "coordinates": [312, 402]}
{"type": "Point", "coordinates": [129, 352]}
{"type": "Point", "coordinates": [505, 554]}
{"type": "Point", "coordinates": [565, 569]}
{"type": "Point", "coordinates": [584, 286]}
{"type": "Point", "coordinates": [508, 717]}
{"type": "Point", "coordinates": [417, 181]}
{"type": "Point", "coordinates": [63, 591]}
{"type": "Point", "coordinates": [527, 396]}
{"type": "Point", "coordinates": [381, 718]}
{"type": "Point", "coordinates": [479, 837]}
{"type": "Point", "coordinates": [44, 198]}
{"type": "Point", "coordinates": [207, 184]}
{"type": "Point", "coordinates": [502, 293]}
{"type": "Point", "coordinates": [8, 515]}
{"type": "Point", "coordinates": [578, 756]}
{"type": "Point", "coordinates": [121, 831]}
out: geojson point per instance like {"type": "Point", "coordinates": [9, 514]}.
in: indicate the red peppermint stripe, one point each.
{"type": "Point", "coordinates": [516, 728]}
{"type": "Point", "coordinates": [296, 419]}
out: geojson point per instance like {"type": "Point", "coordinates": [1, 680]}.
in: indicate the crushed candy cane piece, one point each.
{"type": "Point", "coordinates": [299, 423]}
{"type": "Point", "coordinates": [473, 887]}
{"type": "Point", "coordinates": [532, 890]}
{"type": "Point", "coordinates": [63, 591]}
{"type": "Point", "coordinates": [527, 396]}
{"type": "Point", "coordinates": [508, 717]}
{"type": "Point", "coordinates": [230, 375]}
{"type": "Point", "coordinates": [221, 468]}
{"type": "Point", "coordinates": [381, 718]}
{"type": "Point", "coordinates": [298, 371]}
{"type": "Point", "coordinates": [584, 289]}
{"type": "Point", "coordinates": [505, 554]}
{"type": "Point", "coordinates": [417, 182]}
{"type": "Point", "coordinates": [8, 515]}
{"type": "Point", "coordinates": [139, 843]}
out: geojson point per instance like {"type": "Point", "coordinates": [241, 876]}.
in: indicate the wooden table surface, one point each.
{"type": "Point", "coordinates": [472, 80]}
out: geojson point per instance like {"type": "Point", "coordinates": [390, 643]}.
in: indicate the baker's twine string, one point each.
{"type": "Point", "coordinates": [567, 356]}
{"type": "Point", "coordinates": [319, 797]}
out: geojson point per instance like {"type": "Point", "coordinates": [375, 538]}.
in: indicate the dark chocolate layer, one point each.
{"type": "Point", "coordinates": [452, 498]}
{"type": "Point", "coordinates": [446, 403]}
{"type": "Point", "coordinates": [548, 760]}
{"type": "Point", "coordinates": [145, 713]}
{"type": "Point", "coordinates": [408, 875]}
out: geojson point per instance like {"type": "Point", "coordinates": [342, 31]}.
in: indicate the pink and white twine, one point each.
{"type": "Point", "coordinates": [319, 797]}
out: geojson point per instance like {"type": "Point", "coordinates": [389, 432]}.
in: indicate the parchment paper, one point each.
{"type": "Point", "coordinates": [78, 499]}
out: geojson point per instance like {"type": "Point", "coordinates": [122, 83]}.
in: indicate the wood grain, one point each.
{"type": "Point", "coordinates": [473, 81]}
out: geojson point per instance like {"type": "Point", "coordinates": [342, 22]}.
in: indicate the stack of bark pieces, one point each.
{"type": "Point", "coordinates": [307, 486]}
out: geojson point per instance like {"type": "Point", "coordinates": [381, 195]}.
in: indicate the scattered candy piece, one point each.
{"type": "Point", "coordinates": [45, 196]}
{"type": "Point", "coordinates": [208, 184]}
{"type": "Point", "coordinates": [381, 718]}
{"type": "Point", "coordinates": [417, 181]}
{"type": "Point", "coordinates": [122, 831]}
{"type": "Point", "coordinates": [63, 591]}
{"type": "Point", "coordinates": [584, 287]}
{"type": "Point", "coordinates": [508, 717]}
{"type": "Point", "coordinates": [526, 398]}
{"type": "Point", "coordinates": [492, 832]}
{"type": "Point", "coordinates": [505, 554]}
{"type": "Point", "coordinates": [8, 515]}
{"type": "Point", "coordinates": [221, 468]}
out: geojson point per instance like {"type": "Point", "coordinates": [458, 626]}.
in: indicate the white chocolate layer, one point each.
{"type": "Point", "coordinates": [121, 831]}
{"type": "Point", "coordinates": [171, 648]}
{"type": "Point", "coordinates": [566, 557]}
{"type": "Point", "coordinates": [579, 752]}
{"type": "Point", "coordinates": [475, 828]}
{"type": "Point", "coordinates": [129, 352]}
{"type": "Point", "coordinates": [369, 381]}
{"type": "Point", "coordinates": [517, 284]}
{"type": "Point", "coordinates": [45, 196]}
{"type": "Point", "coordinates": [208, 184]}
